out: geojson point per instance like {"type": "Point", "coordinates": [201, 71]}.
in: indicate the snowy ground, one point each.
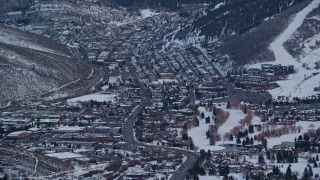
{"type": "Point", "coordinates": [198, 134]}
{"type": "Point", "coordinates": [303, 82]}
{"type": "Point", "coordinates": [147, 13]}
{"type": "Point", "coordinates": [207, 177]}
{"type": "Point", "coordinates": [290, 137]}
{"type": "Point", "coordinates": [298, 167]}
{"type": "Point", "coordinates": [64, 155]}
{"type": "Point", "coordinates": [95, 97]}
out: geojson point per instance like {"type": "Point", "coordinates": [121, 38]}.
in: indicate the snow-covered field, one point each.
{"type": "Point", "coordinates": [95, 97]}
{"type": "Point", "coordinates": [198, 134]}
{"type": "Point", "coordinates": [303, 82]}
{"type": "Point", "coordinates": [64, 155]}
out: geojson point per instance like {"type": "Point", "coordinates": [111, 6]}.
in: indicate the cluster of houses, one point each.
{"type": "Point", "coordinates": [84, 135]}
{"type": "Point", "coordinates": [260, 79]}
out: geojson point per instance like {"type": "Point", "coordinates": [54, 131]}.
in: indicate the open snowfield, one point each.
{"type": "Point", "coordinates": [303, 82]}
{"type": "Point", "coordinates": [198, 134]}
{"type": "Point", "coordinates": [64, 155]}
{"type": "Point", "coordinates": [95, 97]}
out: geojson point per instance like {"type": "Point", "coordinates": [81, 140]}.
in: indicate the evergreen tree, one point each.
{"type": "Point", "coordinates": [275, 170]}
{"type": "Point", "coordinates": [288, 172]}
{"type": "Point", "coordinates": [228, 105]}
{"type": "Point", "coordinates": [227, 169]}
{"type": "Point", "coordinates": [209, 154]}
{"type": "Point", "coordinates": [202, 154]}
{"type": "Point", "coordinates": [212, 171]}
{"type": "Point", "coordinates": [185, 136]}
{"type": "Point", "coordinates": [6, 177]}
{"type": "Point", "coordinates": [202, 171]}
{"type": "Point", "coordinates": [202, 115]}
{"type": "Point", "coordinates": [273, 158]}
{"type": "Point", "coordinates": [243, 143]}
{"type": "Point", "coordinates": [268, 154]}
{"type": "Point", "coordinates": [261, 159]}
{"type": "Point", "coordinates": [310, 171]}
{"type": "Point", "coordinates": [208, 134]}
{"type": "Point", "coordinates": [251, 141]}
{"type": "Point", "coordinates": [305, 174]}
{"type": "Point", "coordinates": [208, 120]}
{"type": "Point", "coordinates": [264, 143]}
{"type": "Point", "coordinates": [230, 137]}
{"type": "Point", "coordinates": [247, 140]}
{"type": "Point", "coordinates": [251, 129]}
{"type": "Point", "coordinates": [195, 177]}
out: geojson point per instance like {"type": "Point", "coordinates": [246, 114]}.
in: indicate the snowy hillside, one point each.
{"type": "Point", "coordinates": [31, 65]}
{"type": "Point", "coordinates": [306, 78]}
{"type": "Point", "coordinates": [34, 164]}
{"type": "Point", "coordinates": [16, 38]}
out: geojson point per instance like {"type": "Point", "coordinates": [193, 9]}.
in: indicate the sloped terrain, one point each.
{"type": "Point", "coordinates": [31, 65]}
{"type": "Point", "coordinates": [224, 18]}
{"type": "Point", "coordinates": [253, 46]}
{"type": "Point", "coordinates": [298, 45]}
{"type": "Point", "coordinates": [30, 163]}
{"type": "Point", "coordinates": [306, 40]}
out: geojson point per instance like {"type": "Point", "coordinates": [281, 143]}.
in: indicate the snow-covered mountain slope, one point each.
{"type": "Point", "coordinates": [31, 65]}
{"type": "Point", "coordinates": [28, 40]}
{"type": "Point", "coordinates": [298, 45]}
{"type": "Point", "coordinates": [229, 17]}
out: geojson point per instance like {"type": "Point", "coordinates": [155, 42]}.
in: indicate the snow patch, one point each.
{"type": "Point", "coordinates": [147, 13]}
